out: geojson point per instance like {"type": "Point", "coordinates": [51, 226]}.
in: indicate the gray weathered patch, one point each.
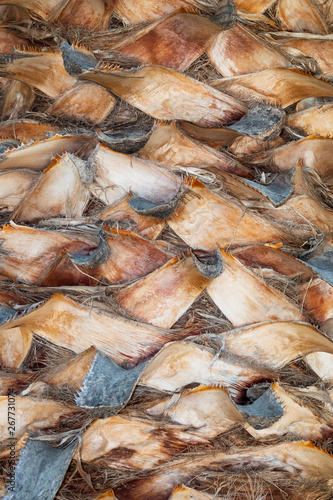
{"type": "Point", "coordinates": [127, 140]}
{"type": "Point", "coordinates": [262, 122]}
{"type": "Point", "coordinates": [211, 266]}
{"type": "Point", "coordinates": [107, 386]}
{"type": "Point", "coordinates": [266, 406]}
{"type": "Point", "coordinates": [7, 144]}
{"type": "Point", "coordinates": [96, 257]}
{"type": "Point", "coordinates": [277, 189]}
{"type": "Point", "coordinates": [40, 470]}
{"type": "Point", "coordinates": [149, 209]}
{"type": "Point", "coordinates": [75, 60]}
{"type": "Point", "coordinates": [6, 313]}
{"type": "Point", "coordinates": [322, 264]}
{"type": "Point", "coordinates": [225, 14]}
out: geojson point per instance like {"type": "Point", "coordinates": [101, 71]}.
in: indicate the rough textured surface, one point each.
{"type": "Point", "coordinates": [166, 302]}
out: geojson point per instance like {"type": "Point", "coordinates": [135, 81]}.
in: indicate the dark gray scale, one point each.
{"type": "Point", "coordinates": [264, 411]}
{"type": "Point", "coordinates": [75, 60]}
{"type": "Point", "coordinates": [149, 209]}
{"type": "Point", "coordinates": [127, 140]}
{"type": "Point", "coordinates": [277, 189]}
{"type": "Point", "coordinates": [107, 386]}
{"type": "Point", "coordinates": [4, 57]}
{"type": "Point", "coordinates": [322, 264]}
{"type": "Point", "coordinates": [210, 266]}
{"type": "Point", "coordinates": [225, 14]}
{"type": "Point", "coordinates": [6, 313]}
{"type": "Point", "coordinates": [40, 471]}
{"type": "Point", "coordinates": [7, 144]}
{"type": "Point", "coordinates": [96, 257]}
{"type": "Point", "coordinates": [262, 122]}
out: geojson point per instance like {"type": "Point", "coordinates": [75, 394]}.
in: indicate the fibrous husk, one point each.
{"type": "Point", "coordinates": [192, 402]}
{"type": "Point", "coordinates": [13, 382]}
{"type": "Point", "coordinates": [15, 345]}
{"type": "Point", "coordinates": [312, 102]}
{"type": "Point", "coordinates": [321, 364]}
{"type": "Point", "coordinates": [60, 318]}
{"type": "Point", "coordinates": [27, 253]}
{"type": "Point", "coordinates": [163, 296]}
{"type": "Point", "coordinates": [117, 174]}
{"type": "Point", "coordinates": [38, 155]}
{"type": "Point", "coordinates": [14, 187]}
{"type": "Point", "coordinates": [121, 256]}
{"type": "Point", "coordinates": [129, 443]}
{"type": "Point", "coordinates": [121, 211]}
{"type": "Point", "coordinates": [278, 343]}
{"type": "Point", "coordinates": [314, 152]}
{"type": "Point", "coordinates": [245, 146]}
{"type": "Point", "coordinates": [301, 16]}
{"type": "Point", "coordinates": [19, 98]}
{"type": "Point", "coordinates": [320, 49]}
{"type": "Point", "coordinates": [221, 221]}
{"type": "Point", "coordinates": [298, 459]}
{"type": "Point", "coordinates": [146, 10]}
{"type": "Point", "coordinates": [131, 256]}
{"type": "Point", "coordinates": [304, 209]}
{"type": "Point", "coordinates": [169, 146]}
{"type": "Point", "coordinates": [47, 10]}
{"type": "Point", "coordinates": [216, 137]}
{"type": "Point", "coordinates": [85, 101]}
{"type": "Point", "coordinates": [175, 42]}
{"type": "Point", "coordinates": [34, 415]}
{"type": "Point", "coordinates": [182, 492]}
{"type": "Point", "coordinates": [43, 70]}
{"type": "Point", "coordinates": [279, 86]}
{"type": "Point", "coordinates": [272, 257]}
{"type": "Point", "coordinates": [257, 7]}
{"type": "Point", "coordinates": [318, 299]}
{"type": "Point", "coordinates": [183, 99]}
{"type": "Point", "coordinates": [90, 14]}
{"type": "Point", "coordinates": [316, 120]}
{"type": "Point", "coordinates": [256, 301]}
{"type": "Point", "coordinates": [72, 372]}
{"type": "Point", "coordinates": [60, 191]}
{"type": "Point", "coordinates": [14, 13]}
{"type": "Point", "coordinates": [26, 130]}
{"type": "Point", "coordinates": [180, 364]}
{"type": "Point", "coordinates": [208, 410]}
{"type": "Point", "coordinates": [238, 51]}
{"type": "Point", "coordinates": [9, 39]}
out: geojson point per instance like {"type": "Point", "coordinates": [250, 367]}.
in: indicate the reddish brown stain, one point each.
{"type": "Point", "coordinates": [175, 43]}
